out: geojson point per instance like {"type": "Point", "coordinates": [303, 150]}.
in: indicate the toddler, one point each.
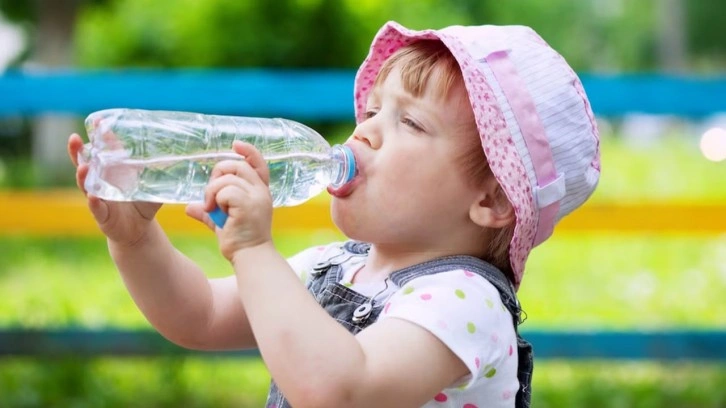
{"type": "Point", "coordinates": [471, 143]}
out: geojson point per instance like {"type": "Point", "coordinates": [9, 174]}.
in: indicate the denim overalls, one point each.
{"type": "Point", "coordinates": [355, 312]}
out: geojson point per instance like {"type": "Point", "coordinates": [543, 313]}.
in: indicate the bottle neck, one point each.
{"type": "Point", "coordinates": [346, 168]}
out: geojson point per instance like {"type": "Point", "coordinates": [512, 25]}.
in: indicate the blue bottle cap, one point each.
{"type": "Point", "coordinates": [351, 163]}
{"type": "Point", "coordinates": [218, 216]}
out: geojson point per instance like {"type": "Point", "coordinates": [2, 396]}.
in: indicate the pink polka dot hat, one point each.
{"type": "Point", "coordinates": [537, 129]}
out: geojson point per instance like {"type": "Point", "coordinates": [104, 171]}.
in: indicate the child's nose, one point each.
{"type": "Point", "coordinates": [368, 134]}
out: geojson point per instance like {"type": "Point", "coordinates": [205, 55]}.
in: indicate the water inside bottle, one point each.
{"type": "Point", "coordinates": [294, 177]}
{"type": "Point", "coordinates": [162, 179]}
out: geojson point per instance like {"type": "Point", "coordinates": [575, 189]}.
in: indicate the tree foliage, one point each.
{"type": "Point", "coordinates": [27, 10]}
{"type": "Point", "coordinates": [17, 10]}
{"type": "Point", "coordinates": [594, 35]}
{"type": "Point", "coordinates": [218, 33]}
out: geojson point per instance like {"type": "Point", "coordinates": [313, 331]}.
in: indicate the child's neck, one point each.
{"type": "Point", "coordinates": [383, 260]}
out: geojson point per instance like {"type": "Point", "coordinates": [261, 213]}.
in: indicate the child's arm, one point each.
{"type": "Point", "coordinates": [316, 362]}
{"type": "Point", "coordinates": [171, 291]}
{"type": "Point", "coordinates": [178, 299]}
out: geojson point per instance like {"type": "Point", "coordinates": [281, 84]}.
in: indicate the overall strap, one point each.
{"type": "Point", "coordinates": [471, 264]}
{"type": "Point", "coordinates": [357, 247]}
{"type": "Point", "coordinates": [350, 249]}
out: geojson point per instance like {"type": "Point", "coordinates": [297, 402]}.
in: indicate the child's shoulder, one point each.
{"type": "Point", "coordinates": [322, 252]}
{"type": "Point", "coordinates": [465, 312]}
{"type": "Point", "coordinates": [305, 260]}
{"type": "Point", "coordinates": [460, 282]}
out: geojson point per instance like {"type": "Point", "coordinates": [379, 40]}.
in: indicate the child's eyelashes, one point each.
{"type": "Point", "coordinates": [405, 120]}
{"type": "Point", "coordinates": [412, 124]}
{"type": "Point", "coordinates": [369, 114]}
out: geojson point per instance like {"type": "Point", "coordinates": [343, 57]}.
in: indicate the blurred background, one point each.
{"type": "Point", "coordinates": [630, 287]}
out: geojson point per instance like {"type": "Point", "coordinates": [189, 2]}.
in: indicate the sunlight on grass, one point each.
{"type": "Point", "coordinates": [617, 281]}
{"type": "Point", "coordinates": [573, 281]}
{"type": "Point", "coordinates": [48, 283]}
{"type": "Point", "coordinates": [673, 169]}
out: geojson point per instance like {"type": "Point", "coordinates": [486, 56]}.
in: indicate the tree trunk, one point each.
{"type": "Point", "coordinates": [671, 35]}
{"type": "Point", "coordinates": [52, 49]}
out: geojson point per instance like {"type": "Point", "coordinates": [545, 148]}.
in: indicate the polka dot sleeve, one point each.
{"type": "Point", "coordinates": [465, 312]}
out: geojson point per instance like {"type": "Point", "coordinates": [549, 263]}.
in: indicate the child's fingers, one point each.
{"type": "Point", "coordinates": [229, 196]}
{"type": "Point", "coordinates": [254, 158]}
{"type": "Point", "coordinates": [75, 145]}
{"type": "Point", "coordinates": [196, 211]}
{"type": "Point", "coordinates": [81, 173]}
{"type": "Point", "coordinates": [228, 172]}
{"type": "Point", "coordinates": [99, 209]}
{"type": "Point", "coordinates": [220, 182]}
{"type": "Point", "coordinates": [239, 168]}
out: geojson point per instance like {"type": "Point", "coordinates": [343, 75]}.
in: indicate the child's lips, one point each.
{"type": "Point", "coordinates": [345, 190]}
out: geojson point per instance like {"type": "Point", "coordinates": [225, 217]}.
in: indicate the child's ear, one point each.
{"type": "Point", "coordinates": [491, 208]}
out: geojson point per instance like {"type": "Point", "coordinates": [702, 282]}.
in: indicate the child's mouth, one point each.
{"type": "Point", "coordinates": [344, 190]}
{"type": "Point", "coordinates": [347, 189]}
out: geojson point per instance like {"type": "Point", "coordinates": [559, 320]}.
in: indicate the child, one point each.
{"type": "Point", "coordinates": [419, 308]}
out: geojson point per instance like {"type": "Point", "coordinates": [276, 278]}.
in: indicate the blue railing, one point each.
{"type": "Point", "coordinates": [671, 345]}
{"type": "Point", "coordinates": [311, 95]}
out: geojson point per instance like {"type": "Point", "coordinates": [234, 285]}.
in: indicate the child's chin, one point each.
{"type": "Point", "coordinates": [344, 217]}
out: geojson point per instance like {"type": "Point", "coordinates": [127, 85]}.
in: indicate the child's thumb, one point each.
{"type": "Point", "coordinates": [99, 209]}
{"type": "Point", "coordinates": [196, 211]}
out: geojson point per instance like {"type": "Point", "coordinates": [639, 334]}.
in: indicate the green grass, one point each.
{"type": "Point", "coordinates": [670, 170]}
{"type": "Point", "coordinates": [626, 281]}
{"type": "Point", "coordinates": [133, 382]}
{"type": "Point", "coordinates": [45, 282]}
{"type": "Point", "coordinates": [200, 382]}
{"type": "Point", "coordinates": [572, 281]}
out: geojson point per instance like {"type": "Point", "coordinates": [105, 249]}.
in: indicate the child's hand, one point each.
{"type": "Point", "coordinates": [125, 223]}
{"type": "Point", "coordinates": [240, 189]}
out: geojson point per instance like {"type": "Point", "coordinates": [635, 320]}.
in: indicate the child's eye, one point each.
{"type": "Point", "coordinates": [369, 114]}
{"type": "Point", "coordinates": [413, 125]}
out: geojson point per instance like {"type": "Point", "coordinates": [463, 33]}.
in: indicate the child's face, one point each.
{"type": "Point", "coordinates": [411, 189]}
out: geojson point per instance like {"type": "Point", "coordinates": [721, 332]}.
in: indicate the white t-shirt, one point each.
{"type": "Point", "coordinates": [460, 308]}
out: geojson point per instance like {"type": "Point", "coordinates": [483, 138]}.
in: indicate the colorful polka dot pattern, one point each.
{"type": "Point", "coordinates": [497, 142]}
{"type": "Point", "coordinates": [441, 397]}
{"type": "Point", "coordinates": [467, 307]}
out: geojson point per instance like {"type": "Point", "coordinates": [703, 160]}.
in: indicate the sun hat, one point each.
{"type": "Point", "coordinates": [536, 126]}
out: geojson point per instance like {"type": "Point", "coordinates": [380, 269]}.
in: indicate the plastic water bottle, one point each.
{"type": "Point", "coordinates": [167, 157]}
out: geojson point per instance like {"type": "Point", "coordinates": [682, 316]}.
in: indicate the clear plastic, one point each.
{"type": "Point", "coordinates": [167, 157]}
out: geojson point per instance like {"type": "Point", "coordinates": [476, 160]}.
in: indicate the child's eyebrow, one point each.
{"type": "Point", "coordinates": [374, 94]}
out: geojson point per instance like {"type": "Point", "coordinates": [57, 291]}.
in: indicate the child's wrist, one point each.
{"type": "Point", "coordinates": [249, 254]}
{"type": "Point", "coordinates": [140, 241]}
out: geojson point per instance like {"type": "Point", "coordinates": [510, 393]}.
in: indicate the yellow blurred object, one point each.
{"type": "Point", "coordinates": [64, 213]}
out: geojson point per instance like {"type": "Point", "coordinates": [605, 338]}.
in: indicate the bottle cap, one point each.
{"type": "Point", "coordinates": [351, 163]}
{"type": "Point", "coordinates": [218, 216]}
